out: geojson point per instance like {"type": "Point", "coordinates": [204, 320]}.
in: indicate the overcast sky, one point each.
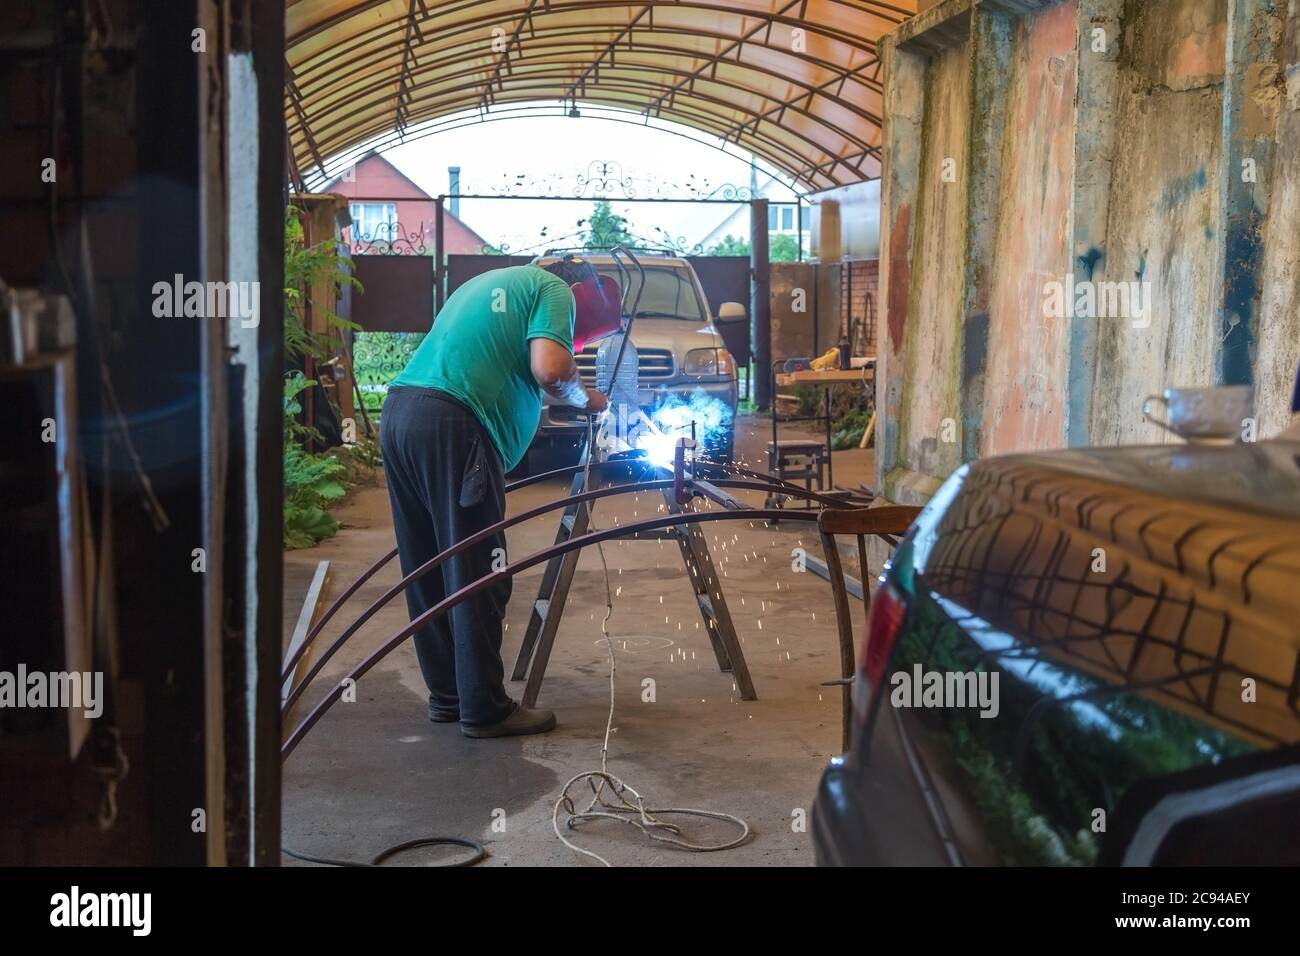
{"type": "Point", "coordinates": [550, 152]}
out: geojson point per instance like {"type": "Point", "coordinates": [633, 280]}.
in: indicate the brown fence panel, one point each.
{"type": "Point", "coordinates": [398, 294]}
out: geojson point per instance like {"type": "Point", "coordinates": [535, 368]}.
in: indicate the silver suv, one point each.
{"type": "Point", "coordinates": [679, 352]}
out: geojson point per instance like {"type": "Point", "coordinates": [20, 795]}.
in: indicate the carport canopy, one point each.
{"type": "Point", "coordinates": [796, 82]}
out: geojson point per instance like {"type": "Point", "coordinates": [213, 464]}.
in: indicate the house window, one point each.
{"type": "Point", "coordinates": [373, 221]}
{"type": "Point", "coordinates": [787, 218]}
{"type": "Point", "coordinates": [771, 218]}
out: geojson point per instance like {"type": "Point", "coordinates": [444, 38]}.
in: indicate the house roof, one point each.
{"type": "Point", "coordinates": [796, 82]}
{"type": "Point", "coordinates": [373, 157]}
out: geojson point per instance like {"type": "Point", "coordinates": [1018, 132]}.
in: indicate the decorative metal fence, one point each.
{"type": "Point", "coordinates": [377, 358]}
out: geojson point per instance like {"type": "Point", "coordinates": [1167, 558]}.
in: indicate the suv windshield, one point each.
{"type": "Point", "coordinates": [669, 292]}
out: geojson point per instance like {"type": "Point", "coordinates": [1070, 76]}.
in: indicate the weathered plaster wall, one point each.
{"type": "Point", "coordinates": [931, 385]}
{"type": "Point", "coordinates": [1164, 212]}
{"type": "Point", "coordinates": [1025, 378]}
{"type": "Point", "coordinates": [1154, 143]}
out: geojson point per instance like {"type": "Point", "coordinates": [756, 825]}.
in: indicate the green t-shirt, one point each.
{"type": "Point", "coordinates": [477, 350]}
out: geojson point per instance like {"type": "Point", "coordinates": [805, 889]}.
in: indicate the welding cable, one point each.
{"type": "Point", "coordinates": [635, 812]}
{"type": "Point", "coordinates": [480, 853]}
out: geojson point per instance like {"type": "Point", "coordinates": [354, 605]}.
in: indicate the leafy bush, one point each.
{"type": "Point", "coordinates": [310, 481]}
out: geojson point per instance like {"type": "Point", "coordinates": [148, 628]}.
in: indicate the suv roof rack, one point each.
{"type": "Point", "coordinates": [660, 251]}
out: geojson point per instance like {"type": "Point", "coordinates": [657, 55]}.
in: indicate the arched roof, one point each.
{"type": "Point", "coordinates": [796, 82]}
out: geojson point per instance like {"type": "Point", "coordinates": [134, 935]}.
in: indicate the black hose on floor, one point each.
{"type": "Point", "coordinates": [480, 854]}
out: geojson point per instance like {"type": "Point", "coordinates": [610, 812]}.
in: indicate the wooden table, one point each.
{"type": "Point", "coordinates": [831, 377]}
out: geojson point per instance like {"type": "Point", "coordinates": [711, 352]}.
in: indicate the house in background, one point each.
{"type": "Point", "coordinates": [388, 208]}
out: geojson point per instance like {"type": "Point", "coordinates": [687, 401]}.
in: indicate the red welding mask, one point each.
{"type": "Point", "coordinates": [599, 309]}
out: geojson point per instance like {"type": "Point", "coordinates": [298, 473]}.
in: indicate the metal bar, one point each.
{"type": "Point", "coordinates": [509, 571]}
{"type": "Point", "coordinates": [484, 98]}
{"type": "Point", "coordinates": [553, 592]}
{"type": "Point", "coordinates": [439, 559]}
{"type": "Point", "coordinates": [844, 628]}
{"type": "Point", "coordinates": [305, 615]}
{"type": "Point", "coordinates": [712, 604]}
{"type": "Point", "coordinates": [538, 84]}
{"type": "Point", "coordinates": [711, 64]}
{"type": "Point", "coordinates": [439, 255]}
{"type": "Point", "coordinates": [334, 71]}
{"type": "Point", "coordinates": [442, 557]}
{"type": "Point", "coordinates": [851, 584]}
{"type": "Point", "coordinates": [760, 298]}
{"type": "Point", "coordinates": [594, 197]}
{"type": "Point", "coordinates": [375, 141]}
{"type": "Point", "coordinates": [296, 99]}
{"type": "Point", "coordinates": [581, 81]}
{"type": "Point", "coordinates": [477, 20]}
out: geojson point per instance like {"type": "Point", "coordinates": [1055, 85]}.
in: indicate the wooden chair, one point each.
{"type": "Point", "coordinates": [888, 524]}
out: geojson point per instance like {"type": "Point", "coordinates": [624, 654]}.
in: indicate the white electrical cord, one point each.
{"type": "Point", "coordinates": [633, 812]}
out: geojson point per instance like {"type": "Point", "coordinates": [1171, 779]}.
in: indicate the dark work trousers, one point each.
{"type": "Point", "coordinates": [446, 482]}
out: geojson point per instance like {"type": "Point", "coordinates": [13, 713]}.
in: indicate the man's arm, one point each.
{"type": "Point", "coordinates": [556, 374]}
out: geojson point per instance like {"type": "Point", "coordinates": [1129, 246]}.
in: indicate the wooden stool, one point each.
{"type": "Point", "coordinates": [798, 460]}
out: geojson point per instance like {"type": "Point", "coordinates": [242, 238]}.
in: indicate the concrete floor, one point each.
{"type": "Point", "coordinates": [376, 772]}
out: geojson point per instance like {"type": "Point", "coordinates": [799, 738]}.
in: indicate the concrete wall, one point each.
{"type": "Point", "coordinates": [1043, 150]}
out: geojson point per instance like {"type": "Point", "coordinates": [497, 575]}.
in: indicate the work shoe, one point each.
{"type": "Point", "coordinates": [440, 715]}
{"type": "Point", "coordinates": [522, 721]}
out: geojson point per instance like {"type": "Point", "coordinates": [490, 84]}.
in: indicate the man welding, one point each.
{"type": "Point", "coordinates": [459, 416]}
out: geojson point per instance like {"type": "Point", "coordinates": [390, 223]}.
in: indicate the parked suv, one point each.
{"type": "Point", "coordinates": [1083, 657]}
{"type": "Point", "coordinates": [680, 352]}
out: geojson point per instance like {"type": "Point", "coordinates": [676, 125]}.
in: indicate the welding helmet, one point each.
{"type": "Point", "coordinates": [597, 298]}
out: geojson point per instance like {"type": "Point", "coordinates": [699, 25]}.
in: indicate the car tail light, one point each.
{"type": "Point", "coordinates": [888, 608]}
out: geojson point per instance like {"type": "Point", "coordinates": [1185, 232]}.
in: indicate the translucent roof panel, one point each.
{"type": "Point", "coordinates": [797, 82]}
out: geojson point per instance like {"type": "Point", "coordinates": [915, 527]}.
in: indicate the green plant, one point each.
{"type": "Point", "coordinates": [310, 481]}
{"type": "Point", "coordinates": [606, 229]}
{"type": "Point", "coordinates": [304, 266]}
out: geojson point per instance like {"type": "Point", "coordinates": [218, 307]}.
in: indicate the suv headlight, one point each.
{"type": "Point", "coordinates": [709, 362]}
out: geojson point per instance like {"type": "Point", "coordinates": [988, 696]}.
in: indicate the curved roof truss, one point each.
{"type": "Point", "coordinates": [796, 82]}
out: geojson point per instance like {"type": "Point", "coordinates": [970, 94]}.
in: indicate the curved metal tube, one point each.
{"type": "Point", "coordinates": [370, 572]}
{"type": "Point", "coordinates": [771, 481]}
{"type": "Point", "coordinates": [333, 609]}
{"type": "Point", "coordinates": [438, 559]}
{"type": "Point", "coordinates": [510, 570]}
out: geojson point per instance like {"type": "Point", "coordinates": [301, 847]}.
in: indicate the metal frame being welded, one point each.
{"type": "Point", "coordinates": [553, 593]}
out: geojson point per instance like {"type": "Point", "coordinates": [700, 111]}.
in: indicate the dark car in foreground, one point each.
{"type": "Point", "coordinates": [1086, 657]}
